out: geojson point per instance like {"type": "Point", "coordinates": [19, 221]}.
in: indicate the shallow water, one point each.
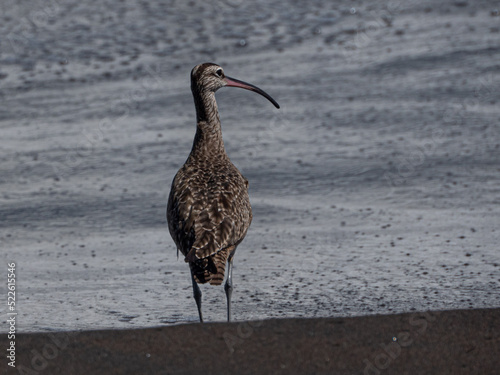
{"type": "Point", "coordinates": [374, 188]}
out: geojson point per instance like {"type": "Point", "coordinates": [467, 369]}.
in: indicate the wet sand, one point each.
{"type": "Point", "coordinates": [374, 188]}
{"type": "Point", "coordinates": [446, 342]}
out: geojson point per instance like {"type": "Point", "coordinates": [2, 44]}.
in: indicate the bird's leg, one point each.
{"type": "Point", "coordinates": [228, 287]}
{"type": "Point", "coordinates": [197, 296]}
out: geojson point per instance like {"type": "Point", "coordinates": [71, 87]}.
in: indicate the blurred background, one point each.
{"type": "Point", "coordinates": [375, 187]}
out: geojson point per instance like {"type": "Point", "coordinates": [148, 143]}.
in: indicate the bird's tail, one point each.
{"type": "Point", "coordinates": [210, 269]}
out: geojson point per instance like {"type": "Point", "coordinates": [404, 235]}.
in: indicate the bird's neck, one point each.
{"type": "Point", "coordinates": [206, 107]}
{"type": "Point", "coordinates": [208, 138]}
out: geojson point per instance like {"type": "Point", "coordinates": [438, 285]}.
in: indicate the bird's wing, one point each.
{"type": "Point", "coordinates": [210, 215]}
{"type": "Point", "coordinates": [180, 203]}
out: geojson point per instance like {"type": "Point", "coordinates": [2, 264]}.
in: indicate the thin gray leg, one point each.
{"type": "Point", "coordinates": [197, 296]}
{"type": "Point", "coordinates": [228, 287]}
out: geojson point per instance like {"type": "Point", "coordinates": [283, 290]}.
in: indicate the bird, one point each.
{"type": "Point", "coordinates": [208, 210]}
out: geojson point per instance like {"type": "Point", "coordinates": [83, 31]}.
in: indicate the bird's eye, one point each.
{"type": "Point", "coordinates": [219, 72]}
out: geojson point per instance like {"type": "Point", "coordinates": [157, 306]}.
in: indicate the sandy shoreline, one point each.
{"type": "Point", "coordinates": [374, 188]}
{"type": "Point", "coordinates": [440, 342]}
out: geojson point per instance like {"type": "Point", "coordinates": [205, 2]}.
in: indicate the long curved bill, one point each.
{"type": "Point", "coordinates": [232, 82]}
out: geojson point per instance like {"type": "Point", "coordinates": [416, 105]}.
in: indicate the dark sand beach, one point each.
{"type": "Point", "coordinates": [445, 342]}
{"type": "Point", "coordinates": [375, 187]}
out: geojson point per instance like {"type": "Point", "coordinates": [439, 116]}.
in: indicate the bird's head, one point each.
{"type": "Point", "coordinates": [209, 77]}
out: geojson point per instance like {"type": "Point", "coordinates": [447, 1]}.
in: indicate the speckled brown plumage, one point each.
{"type": "Point", "coordinates": [208, 212]}
{"type": "Point", "coordinates": [209, 209]}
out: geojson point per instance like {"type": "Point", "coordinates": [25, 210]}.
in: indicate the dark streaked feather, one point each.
{"type": "Point", "coordinates": [208, 212]}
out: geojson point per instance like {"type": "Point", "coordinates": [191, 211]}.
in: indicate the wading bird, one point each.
{"type": "Point", "coordinates": [208, 210]}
